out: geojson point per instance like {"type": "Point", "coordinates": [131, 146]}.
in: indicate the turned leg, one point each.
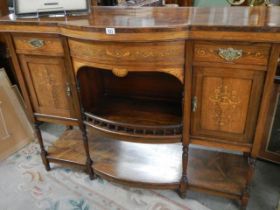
{"type": "Point", "coordinates": [184, 178]}
{"type": "Point", "coordinates": [42, 147]}
{"type": "Point", "coordinates": [86, 146]}
{"type": "Point", "coordinates": [245, 195]}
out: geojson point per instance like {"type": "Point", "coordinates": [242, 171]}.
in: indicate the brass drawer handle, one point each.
{"type": "Point", "coordinates": [36, 43]}
{"type": "Point", "coordinates": [230, 54]}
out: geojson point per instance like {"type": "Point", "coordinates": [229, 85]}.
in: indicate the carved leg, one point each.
{"type": "Point", "coordinates": [86, 146]}
{"type": "Point", "coordinates": [184, 179]}
{"type": "Point", "coordinates": [245, 195]}
{"type": "Point", "coordinates": [42, 147]}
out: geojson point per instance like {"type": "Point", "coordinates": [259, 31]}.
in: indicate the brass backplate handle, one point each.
{"type": "Point", "coordinates": [230, 54]}
{"type": "Point", "coordinates": [36, 43]}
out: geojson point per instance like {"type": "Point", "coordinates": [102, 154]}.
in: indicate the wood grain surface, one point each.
{"type": "Point", "coordinates": [165, 23]}
{"type": "Point", "coordinates": [142, 165]}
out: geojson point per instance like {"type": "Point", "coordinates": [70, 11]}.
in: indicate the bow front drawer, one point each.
{"type": "Point", "coordinates": [38, 45]}
{"type": "Point", "coordinates": [251, 54]}
{"type": "Point", "coordinates": [148, 54]}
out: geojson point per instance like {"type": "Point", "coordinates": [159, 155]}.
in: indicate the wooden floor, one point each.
{"type": "Point", "coordinates": [158, 166]}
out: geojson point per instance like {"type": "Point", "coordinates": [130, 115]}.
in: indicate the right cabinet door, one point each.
{"type": "Point", "coordinates": [225, 103]}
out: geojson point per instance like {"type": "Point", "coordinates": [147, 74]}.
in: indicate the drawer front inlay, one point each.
{"type": "Point", "coordinates": [147, 54]}
{"type": "Point", "coordinates": [254, 54]}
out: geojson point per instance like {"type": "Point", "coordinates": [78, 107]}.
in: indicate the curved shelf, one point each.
{"type": "Point", "coordinates": [133, 130]}
{"type": "Point", "coordinates": [138, 118]}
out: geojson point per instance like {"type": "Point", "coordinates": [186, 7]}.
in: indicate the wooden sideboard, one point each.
{"type": "Point", "coordinates": [146, 84]}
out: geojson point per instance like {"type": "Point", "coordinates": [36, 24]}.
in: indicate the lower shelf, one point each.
{"type": "Point", "coordinates": [154, 165]}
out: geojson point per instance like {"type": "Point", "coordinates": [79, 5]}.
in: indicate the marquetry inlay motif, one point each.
{"type": "Point", "coordinates": [147, 53]}
{"type": "Point", "coordinates": [3, 126]}
{"type": "Point", "coordinates": [205, 51]}
{"type": "Point", "coordinates": [226, 101]}
{"type": "Point", "coordinates": [115, 53]}
{"type": "Point", "coordinates": [124, 53]}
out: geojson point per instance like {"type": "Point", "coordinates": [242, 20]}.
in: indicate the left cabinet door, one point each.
{"type": "Point", "coordinates": [48, 86]}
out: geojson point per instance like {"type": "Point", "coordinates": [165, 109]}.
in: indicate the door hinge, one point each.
{"type": "Point", "coordinates": [68, 89]}
{"type": "Point", "coordinates": [194, 104]}
{"type": "Point", "coordinates": [78, 86]}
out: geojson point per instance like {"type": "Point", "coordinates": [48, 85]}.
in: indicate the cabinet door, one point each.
{"type": "Point", "coordinates": [225, 103]}
{"type": "Point", "coordinates": [46, 80]}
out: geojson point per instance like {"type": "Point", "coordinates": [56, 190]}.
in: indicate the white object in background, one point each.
{"type": "Point", "coordinates": [33, 6]}
{"type": "Point", "coordinates": [110, 31]}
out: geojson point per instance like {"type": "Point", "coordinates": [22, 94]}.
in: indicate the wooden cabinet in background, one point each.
{"type": "Point", "coordinates": [4, 8]}
{"type": "Point", "coordinates": [270, 149]}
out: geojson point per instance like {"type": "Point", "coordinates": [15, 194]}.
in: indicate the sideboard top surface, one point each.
{"type": "Point", "coordinates": [237, 18]}
{"type": "Point", "coordinates": [184, 20]}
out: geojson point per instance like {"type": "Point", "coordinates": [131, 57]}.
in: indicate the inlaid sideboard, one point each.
{"type": "Point", "coordinates": [162, 96]}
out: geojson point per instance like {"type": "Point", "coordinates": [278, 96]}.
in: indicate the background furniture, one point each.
{"type": "Point", "coordinates": [4, 8]}
{"type": "Point", "coordinates": [15, 129]}
{"type": "Point", "coordinates": [5, 61]}
{"type": "Point", "coordinates": [141, 2]}
{"type": "Point", "coordinates": [270, 149]}
{"type": "Point", "coordinates": [211, 77]}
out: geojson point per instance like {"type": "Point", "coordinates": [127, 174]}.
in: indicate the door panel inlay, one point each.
{"type": "Point", "coordinates": [225, 104]}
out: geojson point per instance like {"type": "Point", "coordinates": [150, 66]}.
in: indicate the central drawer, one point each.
{"type": "Point", "coordinates": [147, 54]}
